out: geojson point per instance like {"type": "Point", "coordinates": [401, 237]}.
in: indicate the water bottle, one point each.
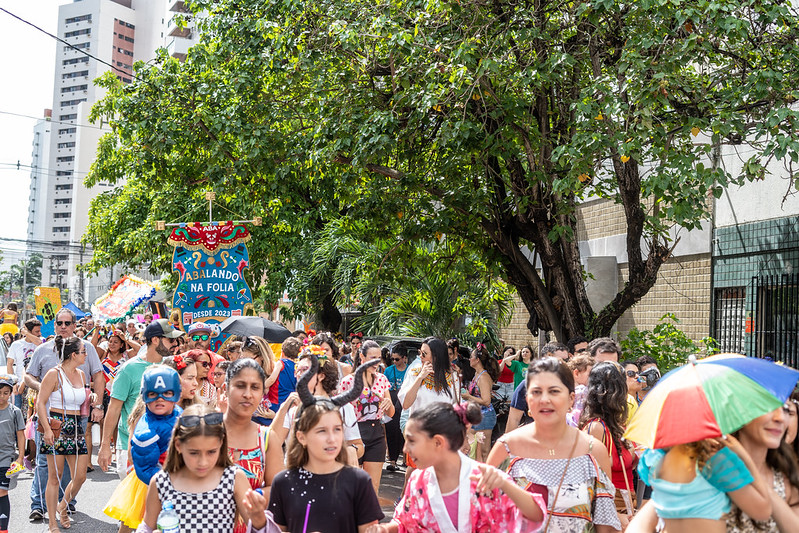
{"type": "Point", "coordinates": [168, 519]}
{"type": "Point", "coordinates": [95, 434]}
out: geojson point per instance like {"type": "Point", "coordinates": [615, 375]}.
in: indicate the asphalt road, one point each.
{"type": "Point", "coordinates": [89, 517]}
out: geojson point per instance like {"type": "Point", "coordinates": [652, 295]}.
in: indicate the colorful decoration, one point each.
{"type": "Point", "coordinates": [119, 302]}
{"type": "Point", "coordinates": [210, 260]}
{"type": "Point", "coordinates": [721, 393]}
{"type": "Point", "coordinates": [48, 302]}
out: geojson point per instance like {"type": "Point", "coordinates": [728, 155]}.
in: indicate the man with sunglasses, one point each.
{"type": "Point", "coordinates": [199, 337]}
{"type": "Point", "coordinates": [161, 340]}
{"type": "Point", "coordinates": [45, 358]}
{"type": "Point", "coordinates": [395, 374]}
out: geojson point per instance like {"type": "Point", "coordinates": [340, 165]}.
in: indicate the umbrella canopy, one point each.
{"type": "Point", "coordinates": [708, 399]}
{"type": "Point", "coordinates": [254, 326]}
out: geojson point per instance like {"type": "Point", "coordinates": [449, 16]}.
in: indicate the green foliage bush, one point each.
{"type": "Point", "coordinates": [666, 343]}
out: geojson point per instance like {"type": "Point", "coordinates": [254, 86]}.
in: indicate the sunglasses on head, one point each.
{"type": "Point", "coordinates": [192, 421]}
{"type": "Point", "coordinates": [199, 337]}
{"type": "Point", "coordinates": [64, 322]}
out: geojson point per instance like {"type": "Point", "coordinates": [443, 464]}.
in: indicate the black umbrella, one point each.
{"type": "Point", "coordinates": [255, 326]}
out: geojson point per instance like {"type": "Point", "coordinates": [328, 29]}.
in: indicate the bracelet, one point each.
{"type": "Point", "coordinates": [100, 407]}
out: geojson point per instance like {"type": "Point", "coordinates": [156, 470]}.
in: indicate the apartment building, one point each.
{"type": "Point", "coordinates": [101, 35]}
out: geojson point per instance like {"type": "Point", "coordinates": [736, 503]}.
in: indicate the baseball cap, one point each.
{"type": "Point", "coordinates": [8, 379]}
{"type": "Point", "coordinates": [199, 327]}
{"type": "Point", "coordinates": [161, 328]}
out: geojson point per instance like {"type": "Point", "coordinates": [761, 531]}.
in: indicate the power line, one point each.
{"type": "Point", "coordinates": [53, 121]}
{"type": "Point", "coordinates": [80, 50]}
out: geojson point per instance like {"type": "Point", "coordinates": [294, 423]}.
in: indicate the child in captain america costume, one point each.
{"type": "Point", "coordinates": [160, 392]}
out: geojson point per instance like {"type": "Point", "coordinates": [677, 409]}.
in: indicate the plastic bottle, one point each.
{"type": "Point", "coordinates": [168, 521]}
{"type": "Point", "coordinates": [95, 434]}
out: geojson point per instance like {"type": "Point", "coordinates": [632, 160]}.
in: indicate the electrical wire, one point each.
{"type": "Point", "coordinates": [80, 50]}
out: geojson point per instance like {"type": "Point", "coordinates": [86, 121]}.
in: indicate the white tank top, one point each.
{"type": "Point", "coordinates": [73, 396]}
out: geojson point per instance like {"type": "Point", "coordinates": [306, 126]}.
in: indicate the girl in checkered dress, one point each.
{"type": "Point", "coordinates": [201, 481]}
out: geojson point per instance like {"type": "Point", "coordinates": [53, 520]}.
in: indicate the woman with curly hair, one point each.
{"type": "Point", "coordinates": [486, 371]}
{"type": "Point", "coordinates": [604, 417]}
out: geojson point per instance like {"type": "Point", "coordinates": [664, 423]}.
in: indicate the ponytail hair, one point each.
{"type": "Point", "coordinates": [450, 421]}
{"type": "Point", "coordinates": [66, 348]}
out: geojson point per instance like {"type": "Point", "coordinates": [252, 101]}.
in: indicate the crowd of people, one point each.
{"type": "Point", "coordinates": [295, 437]}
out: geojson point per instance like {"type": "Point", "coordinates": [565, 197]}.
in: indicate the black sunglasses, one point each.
{"type": "Point", "coordinates": [632, 373]}
{"type": "Point", "coordinates": [64, 322]}
{"type": "Point", "coordinates": [191, 421]}
{"type": "Point", "coordinates": [396, 358]}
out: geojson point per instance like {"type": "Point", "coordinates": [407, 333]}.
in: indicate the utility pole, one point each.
{"type": "Point", "coordinates": [25, 290]}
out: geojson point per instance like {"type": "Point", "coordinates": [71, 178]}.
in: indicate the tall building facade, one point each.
{"type": "Point", "coordinates": [117, 33]}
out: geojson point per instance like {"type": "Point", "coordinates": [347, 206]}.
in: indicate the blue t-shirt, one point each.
{"type": "Point", "coordinates": [705, 496]}
{"type": "Point", "coordinates": [395, 377]}
{"type": "Point", "coordinates": [519, 401]}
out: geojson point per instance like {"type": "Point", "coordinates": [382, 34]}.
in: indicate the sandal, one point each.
{"type": "Point", "coordinates": [63, 515]}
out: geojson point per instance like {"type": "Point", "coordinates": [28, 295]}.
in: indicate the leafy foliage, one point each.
{"type": "Point", "coordinates": [666, 343]}
{"type": "Point", "coordinates": [487, 122]}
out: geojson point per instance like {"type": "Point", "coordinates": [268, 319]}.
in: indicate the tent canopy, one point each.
{"type": "Point", "coordinates": [75, 309]}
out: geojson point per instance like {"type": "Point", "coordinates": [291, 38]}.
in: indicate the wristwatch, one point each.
{"type": "Point", "coordinates": [100, 407]}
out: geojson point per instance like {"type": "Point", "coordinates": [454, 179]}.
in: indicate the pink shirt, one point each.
{"type": "Point", "coordinates": [451, 503]}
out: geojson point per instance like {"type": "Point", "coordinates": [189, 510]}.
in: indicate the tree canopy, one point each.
{"type": "Point", "coordinates": [487, 122]}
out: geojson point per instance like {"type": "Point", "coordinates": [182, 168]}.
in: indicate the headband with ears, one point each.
{"type": "Point", "coordinates": [308, 399]}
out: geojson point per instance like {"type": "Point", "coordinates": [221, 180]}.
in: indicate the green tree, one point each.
{"type": "Point", "coordinates": [438, 288]}
{"type": "Point", "coordinates": [488, 122]}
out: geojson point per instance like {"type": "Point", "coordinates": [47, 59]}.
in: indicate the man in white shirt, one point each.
{"type": "Point", "coordinates": [20, 350]}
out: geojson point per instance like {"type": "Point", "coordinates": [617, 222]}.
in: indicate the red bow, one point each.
{"type": "Point", "coordinates": [311, 333]}
{"type": "Point", "coordinates": [180, 362]}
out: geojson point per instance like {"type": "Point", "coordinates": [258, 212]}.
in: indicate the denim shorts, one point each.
{"type": "Point", "coordinates": [489, 419]}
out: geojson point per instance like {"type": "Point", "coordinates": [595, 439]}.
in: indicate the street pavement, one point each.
{"type": "Point", "coordinates": [99, 485]}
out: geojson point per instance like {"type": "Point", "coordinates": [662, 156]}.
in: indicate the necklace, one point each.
{"type": "Point", "coordinates": [551, 450]}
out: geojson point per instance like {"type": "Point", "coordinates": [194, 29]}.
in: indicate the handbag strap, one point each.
{"type": "Point", "coordinates": [626, 481]}
{"type": "Point", "coordinates": [58, 371]}
{"type": "Point", "coordinates": [560, 483]}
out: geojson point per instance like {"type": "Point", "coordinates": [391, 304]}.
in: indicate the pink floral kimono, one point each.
{"type": "Point", "coordinates": [422, 509]}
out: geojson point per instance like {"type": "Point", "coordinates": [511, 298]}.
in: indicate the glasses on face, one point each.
{"type": "Point", "coordinates": [631, 373]}
{"type": "Point", "coordinates": [191, 421]}
{"type": "Point", "coordinates": [199, 337]}
{"type": "Point", "coordinates": [64, 322]}
{"type": "Point", "coordinates": [205, 364]}
{"type": "Point", "coordinates": [396, 359]}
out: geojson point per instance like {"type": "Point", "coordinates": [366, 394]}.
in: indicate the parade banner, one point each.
{"type": "Point", "coordinates": [119, 302]}
{"type": "Point", "coordinates": [48, 302]}
{"type": "Point", "coordinates": [210, 259]}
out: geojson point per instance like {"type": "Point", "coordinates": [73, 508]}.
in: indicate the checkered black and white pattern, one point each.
{"type": "Point", "coordinates": [202, 512]}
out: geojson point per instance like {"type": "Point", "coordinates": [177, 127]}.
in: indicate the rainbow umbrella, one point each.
{"type": "Point", "coordinates": [709, 399]}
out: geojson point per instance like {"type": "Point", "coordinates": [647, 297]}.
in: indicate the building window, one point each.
{"type": "Point", "coordinates": [70, 116]}
{"type": "Point", "coordinates": [65, 159]}
{"type": "Point", "coordinates": [62, 215]}
{"type": "Point", "coordinates": [63, 173]}
{"type": "Point", "coordinates": [66, 145]}
{"type": "Point", "coordinates": [74, 88]}
{"type": "Point", "coordinates": [64, 187]}
{"type": "Point", "coordinates": [77, 45]}
{"type": "Point", "coordinates": [66, 131]}
{"type": "Point", "coordinates": [75, 61]}
{"type": "Point", "coordinates": [61, 229]}
{"type": "Point", "coordinates": [65, 103]}
{"type": "Point", "coordinates": [74, 74]}
{"type": "Point", "coordinates": [730, 319]}
{"type": "Point", "coordinates": [63, 201]}
{"type": "Point", "coordinates": [81, 18]}
{"type": "Point", "coordinates": [85, 31]}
